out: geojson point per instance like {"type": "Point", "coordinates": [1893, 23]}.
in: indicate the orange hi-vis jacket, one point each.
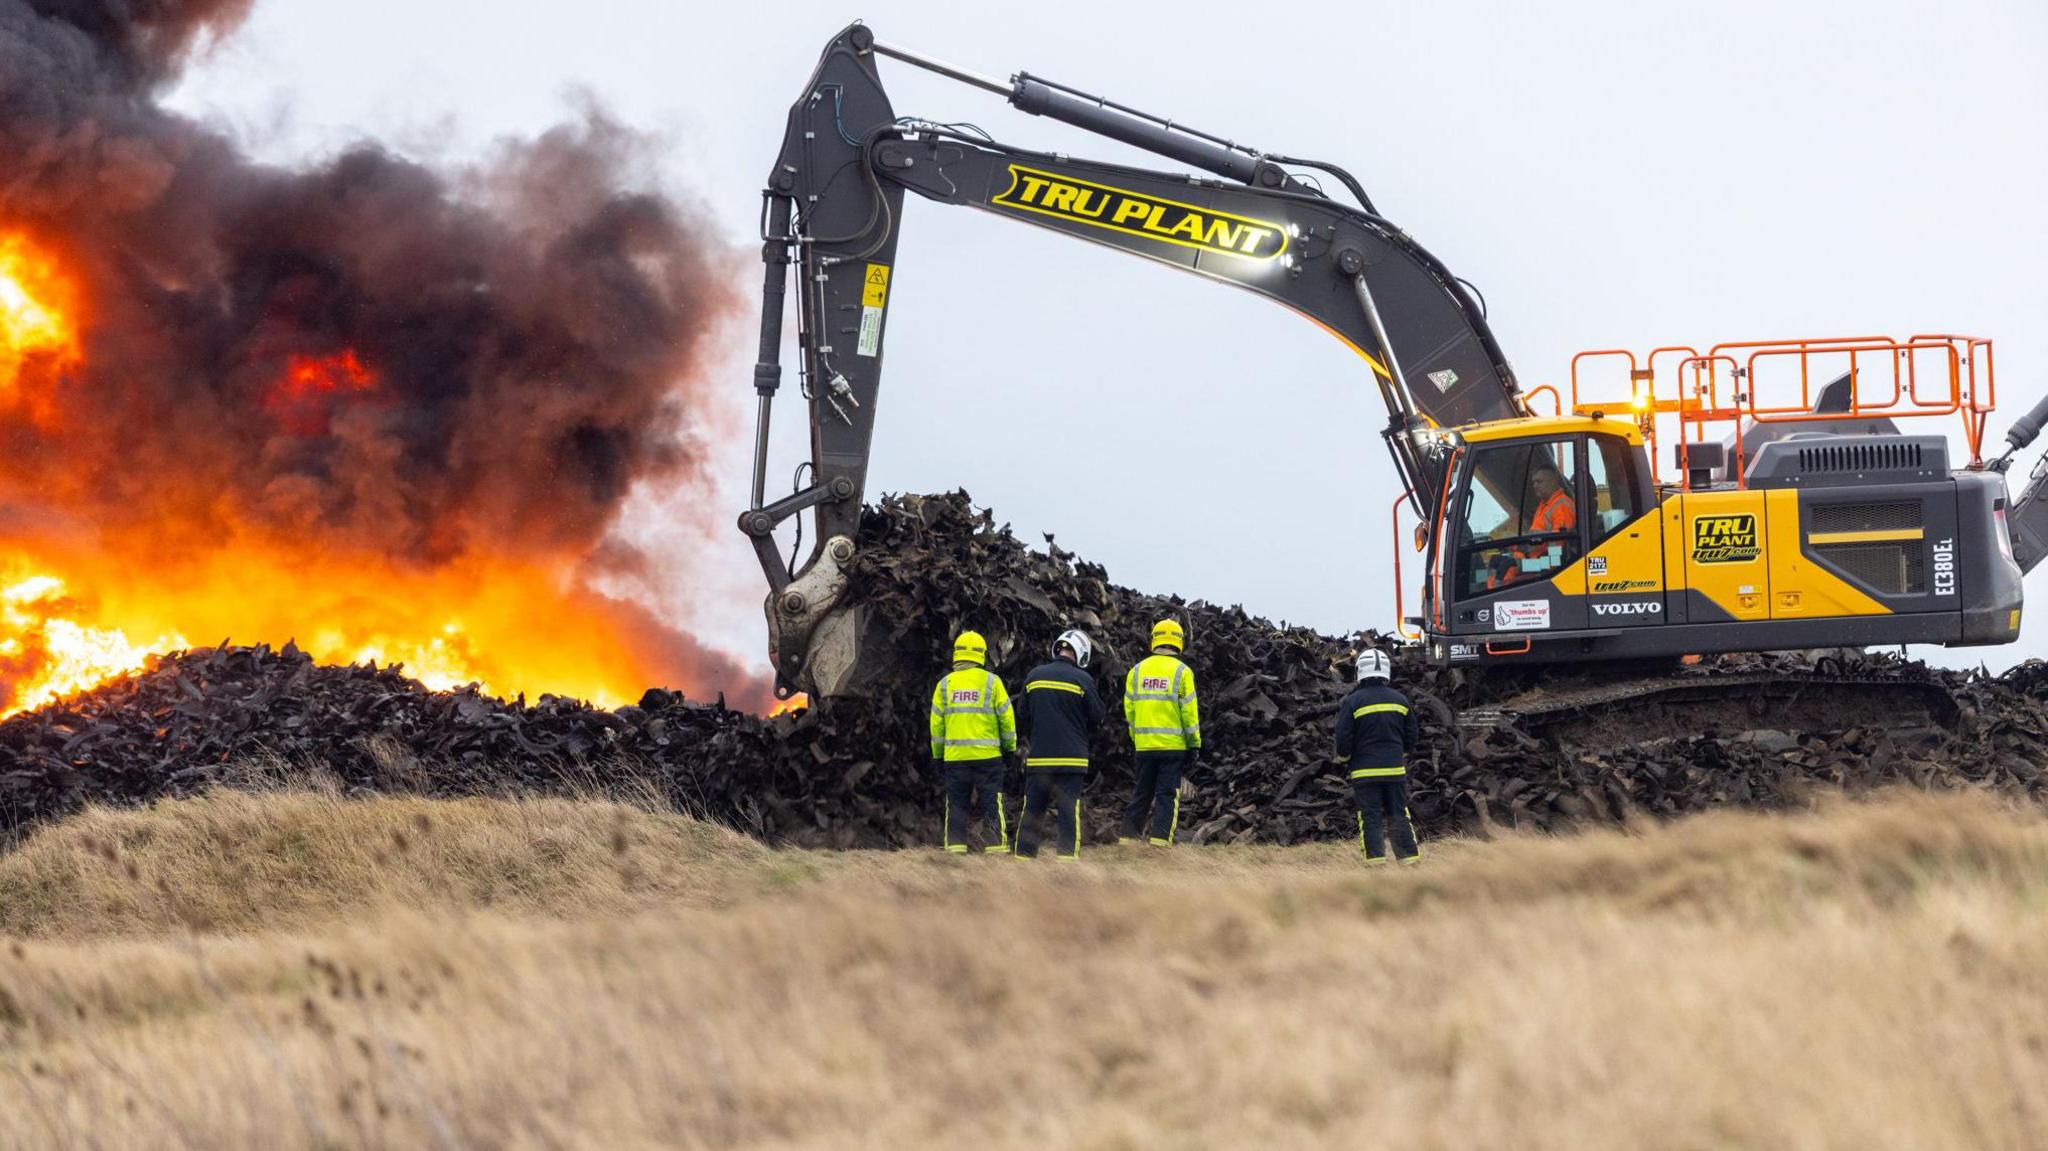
{"type": "Point", "coordinates": [1557, 513]}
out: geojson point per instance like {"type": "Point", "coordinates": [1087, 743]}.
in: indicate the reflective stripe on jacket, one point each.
{"type": "Point", "coordinates": [1061, 708]}
{"type": "Point", "coordinates": [971, 716]}
{"type": "Point", "coordinates": [1160, 705]}
{"type": "Point", "coordinates": [1377, 730]}
{"type": "Point", "coordinates": [1557, 513]}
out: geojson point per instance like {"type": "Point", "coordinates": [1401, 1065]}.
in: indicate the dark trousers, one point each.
{"type": "Point", "coordinates": [1383, 803]}
{"type": "Point", "coordinates": [963, 779]}
{"type": "Point", "coordinates": [1060, 790]}
{"type": "Point", "coordinates": [1157, 796]}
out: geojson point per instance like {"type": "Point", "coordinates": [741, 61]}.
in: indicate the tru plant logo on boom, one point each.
{"type": "Point", "coordinates": [1134, 214]}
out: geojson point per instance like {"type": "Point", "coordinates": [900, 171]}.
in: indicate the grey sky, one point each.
{"type": "Point", "coordinates": [1609, 174]}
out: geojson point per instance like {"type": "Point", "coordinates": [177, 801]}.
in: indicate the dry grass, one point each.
{"type": "Point", "coordinates": [1869, 976]}
{"type": "Point", "coordinates": [234, 862]}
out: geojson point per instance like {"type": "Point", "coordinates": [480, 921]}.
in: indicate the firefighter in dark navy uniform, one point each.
{"type": "Point", "coordinates": [1061, 711]}
{"type": "Point", "coordinates": [1376, 733]}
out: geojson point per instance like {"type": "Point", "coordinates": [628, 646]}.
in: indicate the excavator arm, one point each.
{"type": "Point", "coordinates": [832, 215]}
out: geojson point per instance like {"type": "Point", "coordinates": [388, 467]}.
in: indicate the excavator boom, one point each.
{"type": "Point", "coordinates": [833, 213]}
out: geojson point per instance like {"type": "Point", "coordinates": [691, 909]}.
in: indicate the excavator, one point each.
{"type": "Point", "coordinates": [1797, 514]}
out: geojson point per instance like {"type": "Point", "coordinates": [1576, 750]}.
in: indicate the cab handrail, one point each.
{"type": "Point", "coordinates": [1776, 381]}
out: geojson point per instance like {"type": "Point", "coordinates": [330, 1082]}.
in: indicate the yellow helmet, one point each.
{"type": "Point", "coordinates": [971, 648]}
{"type": "Point", "coordinates": [1167, 633]}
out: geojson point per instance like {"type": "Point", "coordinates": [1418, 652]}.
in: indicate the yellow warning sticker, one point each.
{"type": "Point", "coordinates": [875, 293]}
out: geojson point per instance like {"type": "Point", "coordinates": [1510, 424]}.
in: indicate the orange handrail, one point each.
{"type": "Point", "coordinates": [1979, 406]}
{"type": "Point", "coordinates": [1580, 406]}
{"type": "Point", "coordinates": [1400, 609]}
{"type": "Point", "coordinates": [1707, 383]}
{"type": "Point", "coordinates": [1963, 395]}
{"type": "Point", "coordinates": [1435, 584]}
{"type": "Point", "coordinates": [1930, 375]}
{"type": "Point", "coordinates": [1650, 361]}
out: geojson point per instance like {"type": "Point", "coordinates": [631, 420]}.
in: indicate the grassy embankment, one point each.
{"type": "Point", "coordinates": [299, 971]}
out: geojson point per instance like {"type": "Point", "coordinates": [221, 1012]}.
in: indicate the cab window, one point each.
{"type": "Point", "coordinates": [1616, 500]}
{"type": "Point", "coordinates": [1521, 519]}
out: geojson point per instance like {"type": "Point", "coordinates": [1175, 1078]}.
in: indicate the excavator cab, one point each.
{"type": "Point", "coordinates": [1813, 522]}
{"type": "Point", "coordinates": [1546, 518]}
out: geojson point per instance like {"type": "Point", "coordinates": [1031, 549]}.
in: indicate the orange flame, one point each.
{"type": "Point", "coordinates": [343, 371]}
{"type": "Point", "coordinates": [795, 703]}
{"type": "Point", "coordinates": [46, 654]}
{"type": "Point", "coordinates": [509, 628]}
{"type": "Point", "coordinates": [302, 399]}
{"type": "Point", "coordinates": [81, 605]}
{"type": "Point", "coordinates": [37, 329]}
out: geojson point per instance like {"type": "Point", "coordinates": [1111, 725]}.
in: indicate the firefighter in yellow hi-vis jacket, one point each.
{"type": "Point", "coordinates": [1166, 733]}
{"type": "Point", "coordinates": [973, 730]}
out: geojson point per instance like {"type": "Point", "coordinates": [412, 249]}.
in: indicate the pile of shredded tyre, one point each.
{"type": "Point", "coordinates": [1545, 748]}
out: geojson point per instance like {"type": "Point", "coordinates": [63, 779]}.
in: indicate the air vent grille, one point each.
{"type": "Point", "coordinates": [1886, 516]}
{"type": "Point", "coordinates": [1898, 455]}
{"type": "Point", "coordinates": [1886, 568]}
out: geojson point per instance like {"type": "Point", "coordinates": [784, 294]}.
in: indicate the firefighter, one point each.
{"type": "Point", "coordinates": [1165, 719]}
{"type": "Point", "coordinates": [1376, 733]}
{"type": "Point", "coordinates": [1061, 710]}
{"type": "Point", "coordinates": [973, 732]}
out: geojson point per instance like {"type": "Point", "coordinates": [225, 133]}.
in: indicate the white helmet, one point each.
{"type": "Point", "coordinates": [1078, 640]}
{"type": "Point", "coordinates": [1374, 664]}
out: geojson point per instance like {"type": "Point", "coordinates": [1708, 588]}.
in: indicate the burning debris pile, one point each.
{"type": "Point", "coordinates": [257, 716]}
{"type": "Point", "coordinates": [1577, 750]}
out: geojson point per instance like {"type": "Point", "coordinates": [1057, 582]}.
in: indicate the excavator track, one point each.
{"type": "Point", "coordinates": [1720, 703]}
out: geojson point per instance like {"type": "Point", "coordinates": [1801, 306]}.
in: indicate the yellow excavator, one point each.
{"type": "Point", "coordinates": [1796, 514]}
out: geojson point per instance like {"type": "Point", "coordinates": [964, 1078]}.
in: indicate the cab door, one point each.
{"type": "Point", "coordinates": [1515, 529]}
{"type": "Point", "coordinates": [1623, 576]}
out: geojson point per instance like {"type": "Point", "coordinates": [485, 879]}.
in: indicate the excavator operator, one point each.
{"type": "Point", "coordinates": [1556, 511]}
